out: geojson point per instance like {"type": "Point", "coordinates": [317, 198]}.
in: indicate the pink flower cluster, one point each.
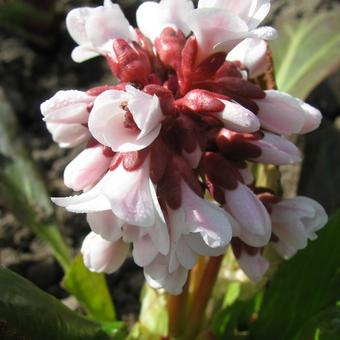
{"type": "Point", "coordinates": [166, 162]}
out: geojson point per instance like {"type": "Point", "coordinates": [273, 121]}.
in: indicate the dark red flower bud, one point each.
{"type": "Point", "coordinates": [238, 145]}
{"type": "Point", "coordinates": [129, 63]}
{"type": "Point", "coordinates": [200, 101]}
{"type": "Point", "coordinates": [208, 67]}
{"type": "Point", "coordinates": [169, 47]}
{"type": "Point", "coordinates": [228, 69]}
{"type": "Point", "coordinates": [220, 171]}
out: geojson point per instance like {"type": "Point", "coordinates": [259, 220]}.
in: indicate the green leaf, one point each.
{"type": "Point", "coordinates": [26, 312]}
{"type": "Point", "coordinates": [90, 289]}
{"type": "Point", "coordinates": [234, 320]}
{"type": "Point", "coordinates": [21, 187]}
{"type": "Point", "coordinates": [153, 317]}
{"type": "Point", "coordinates": [323, 326]}
{"type": "Point", "coordinates": [302, 288]}
{"type": "Point", "coordinates": [306, 52]}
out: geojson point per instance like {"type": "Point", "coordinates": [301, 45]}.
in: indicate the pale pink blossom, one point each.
{"type": "Point", "coordinates": [153, 17]}
{"type": "Point", "coordinates": [67, 107]}
{"type": "Point", "coordinates": [94, 29]}
{"type": "Point", "coordinates": [105, 224]}
{"type": "Point", "coordinates": [158, 276]}
{"type": "Point", "coordinates": [276, 150]}
{"type": "Point", "coordinates": [251, 215]}
{"type": "Point", "coordinates": [103, 256]}
{"type": "Point", "coordinates": [252, 12]}
{"type": "Point", "coordinates": [66, 114]}
{"type": "Point", "coordinates": [127, 193]}
{"type": "Point", "coordinates": [254, 265]}
{"type": "Point", "coordinates": [126, 121]}
{"type": "Point", "coordinates": [281, 113]}
{"type": "Point", "coordinates": [220, 25]}
{"type": "Point", "coordinates": [237, 118]}
{"type": "Point", "coordinates": [295, 221]}
{"type": "Point", "coordinates": [252, 53]}
{"type": "Point", "coordinates": [87, 168]}
{"type": "Point", "coordinates": [197, 227]}
{"type": "Point", "coordinates": [68, 135]}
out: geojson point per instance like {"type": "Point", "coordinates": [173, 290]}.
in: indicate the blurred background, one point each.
{"type": "Point", "coordinates": [35, 63]}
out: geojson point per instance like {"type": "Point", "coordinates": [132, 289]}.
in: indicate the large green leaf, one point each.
{"type": "Point", "coordinates": [306, 52]}
{"type": "Point", "coordinates": [303, 287]}
{"type": "Point", "coordinates": [90, 289]}
{"type": "Point", "coordinates": [26, 312]}
{"type": "Point", "coordinates": [21, 187]}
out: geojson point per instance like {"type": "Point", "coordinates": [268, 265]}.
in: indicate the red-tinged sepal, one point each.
{"type": "Point", "coordinates": [169, 47]}
{"type": "Point", "coordinates": [200, 101]}
{"type": "Point", "coordinates": [129, 62]}
{"type": "Point", "coordinates": [165, 96]}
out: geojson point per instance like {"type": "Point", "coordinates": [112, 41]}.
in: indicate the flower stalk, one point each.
{"type": "Point", "coordinates": [202, 296]}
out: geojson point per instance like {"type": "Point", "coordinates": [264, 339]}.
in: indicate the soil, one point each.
{"type": "Point", "coordinates": [35, 63]}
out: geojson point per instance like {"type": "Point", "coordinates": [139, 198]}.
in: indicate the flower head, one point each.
{"type": "Point", "coordinates": [165, 167]}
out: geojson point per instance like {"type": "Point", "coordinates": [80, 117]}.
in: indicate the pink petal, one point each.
{"type": "Point", "coordinates": [68, 135]}
{"type": "Point", "coordinates": [252, 53]}
{"type": "Point", "coordinates": [75, 24]}
{"type": "Point", "coordinates": [67, 107]}
{"type": "Point", "coordinates": [216, 30]}
{"type": "Point", "coordinates": [237, 118]}
{"type": "Point", "coordinates": [145, 109]}
{"type": "Point", "coordinates": [103, 256]}
{"type": "Point", "coordinates": [83, 53]}
{"type": "Point", "coordinates": [158, 276]}
{"type": "Point", "coordinates": [277, 150]}
{"type": "Point", "coordinates": [206, 218]}
{"type": "Point", "coordinates": [144, 251]}
{"type": "Point", "coordinates": [130, 196]}
{"type": "Point", "coordinates": [152, 17]}
{"type": "Point", "coordinates": [106, 24]}
{"type": "Point", "coordinates": [312, 117]}
{"type": "Point", "coordinates": [89, 201]}
{"type": "Point", "coordinates": [197, 244]}
{"type": "Point", "coordinates": [106, 224]}
{"type": "Point", "coordinates": [86, 169]}
{"type": "Point", "coordinates": [250, 213]}
{"type": "Point", "coordinates": [254, 266]}
{"type": "Point", "coordinates": [280, 113]}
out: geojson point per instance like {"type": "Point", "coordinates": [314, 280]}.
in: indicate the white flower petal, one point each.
{"type": "Point", "coordinates": [254, 266]}
{"type": "Point", "coordinates": [68, 135]}
{"type": "Point", "coordinates": [67, 107]}
{"type": "Point", "coordinates": [237, 118]}
{"type": "Point", "coordinates": [153, 17]}
{"type": "Point", "coordinates": [103, 256]}
{"type": "Point", "coordinates": [277, 150]}
{"type": "Point", "coordinates": [252, 53]}
{"type": "Point", "coordinates": [280, 113]}
{"type": "Point", "coordinates": [86, 169]}
{"type": "Point", "coordinates": [106, 224]}
{"type": "Point", "coordinates": [144, 251]}
{"type": "Point", "coordinates": [129, 195]}
{"type": "Point", "coordinates": [90, 201]}
{"type": "Point", "coordinates": [250, 213]}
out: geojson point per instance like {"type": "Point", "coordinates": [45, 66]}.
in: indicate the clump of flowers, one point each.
{"type": "Point", "coordinates": [166, 167]}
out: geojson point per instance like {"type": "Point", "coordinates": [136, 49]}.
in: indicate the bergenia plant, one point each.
{"type": "Point", "coordinates": [167, 167]}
